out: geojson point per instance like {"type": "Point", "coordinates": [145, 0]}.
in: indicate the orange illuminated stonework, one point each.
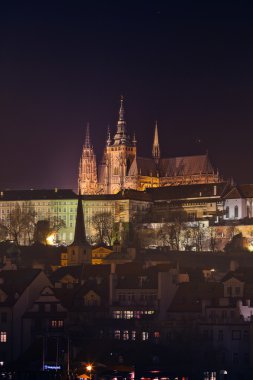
{"type": "Point", "coordinates": [121, 168]}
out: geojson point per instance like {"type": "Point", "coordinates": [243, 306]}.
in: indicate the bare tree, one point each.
{"type": "Point", "coordinates": [171, 234]}
{"type": "Point", "coordinates": [105, 227]}
{"type": "Point", "coordinates": [213, 240]}
{"type": "Point", "coordinates": [199, 235]}
{"type": "Point", "coordinates": [3, 232]}
{"type": "Point", "coordinates": [45, 228]}
{"type": "Point", "coordinates": [20, 224]}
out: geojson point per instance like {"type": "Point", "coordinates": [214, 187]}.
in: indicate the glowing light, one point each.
{"type": "Point", "coordinates": [50, 239]}
{"type": "Point", "coordinates": [250, 247]}
{"type": "Point", "coordinates": [89, 367]}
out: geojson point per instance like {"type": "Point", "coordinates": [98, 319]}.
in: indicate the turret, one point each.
{"type": "Point", "coordinates": [87, 181]}
{"type": "Point", "coordinates": [156, 148]}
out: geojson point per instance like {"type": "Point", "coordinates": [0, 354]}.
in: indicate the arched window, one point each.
{"type": "Point", "coordinates": [227, 212]}
{"type": "Point", "coordinates": [236, 211]}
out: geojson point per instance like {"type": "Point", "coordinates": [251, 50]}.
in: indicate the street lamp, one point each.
{"type": "Point", "coordinates": [89, 369]}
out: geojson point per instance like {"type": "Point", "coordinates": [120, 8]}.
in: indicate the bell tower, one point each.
{"type": "Point", "coordinates": [87, 180]}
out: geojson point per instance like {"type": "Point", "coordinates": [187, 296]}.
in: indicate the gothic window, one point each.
{"type": "Point", "coordinates": [116, 170]}
{"type": "Point", "coordinates": [227, 212]}
{"type": "Point", "coordinates": [236, 211]}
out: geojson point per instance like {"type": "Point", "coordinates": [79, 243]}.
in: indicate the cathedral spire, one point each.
{"type": "Point", "coordinates": [108, 141]}
{"type": "Point", "coordinates": [121, 110]}
{"type": "Point", "coordinates": [87, 141]}
{"type": "Point", "coordinates": [121, 136]}
{"type": "Point", "coordinates": [156, 148]}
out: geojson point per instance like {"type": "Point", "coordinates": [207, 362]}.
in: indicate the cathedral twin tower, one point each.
{"type": "Point", "coordinates": [121, 168]}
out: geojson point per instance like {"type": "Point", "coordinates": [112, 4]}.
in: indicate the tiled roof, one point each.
{"type": "Point", "coordinates": [81, 271]}
{"type": "Point", "coordinates": [23, 195]}
{"type": "Point", "coordinates": [240, 191]}
{"type": "Point", "coordinates": [123, 194]}
{"type": "Point", "coordinates": [143, 166]}
{"type": "Point", "coordinates": [185, 166]}
{"type": "Point", "coordinates": [189, 296]}
{"type": "Point", "coordinates": [199, 191]}
{"type": "Point", "coordinates": [14, 282]}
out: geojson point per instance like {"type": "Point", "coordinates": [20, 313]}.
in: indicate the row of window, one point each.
{"type": "Point", "coordinates": [131, 314]}
{"type": "Point", "coordinates": [235, 335]}
{"type": "Point", "coordinates": [133, 335]}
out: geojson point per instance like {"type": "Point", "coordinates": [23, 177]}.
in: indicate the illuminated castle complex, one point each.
{"type": "Point", "coordinates": [121, 168]}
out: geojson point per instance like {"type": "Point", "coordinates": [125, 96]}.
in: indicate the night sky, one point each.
{"type": "Point", "coordinates": [66, 63]}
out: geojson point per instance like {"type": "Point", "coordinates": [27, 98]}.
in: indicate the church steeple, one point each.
{"type": "Point", "coordinates": [80, 234]}
{"type": "Point", "coordinates": [79, 252]}
{"type": "Point", "coordinates": [156, 148]}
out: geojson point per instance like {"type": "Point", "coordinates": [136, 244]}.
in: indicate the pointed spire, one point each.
{"type": "Point", "coordinates": [87, 142]}
{"type": "Point", "coordinates": [80, 235]}
{"type": "Point", "coordinates": [121, 110]}
{"type": "Point", "coordinates": [109, 140]}
{"type": "Point", "coordinates": [156, 148]}
{"type": "Point", "coordinates": [121, 136]}
{"type": "Point", "coordinates": [134, 141]}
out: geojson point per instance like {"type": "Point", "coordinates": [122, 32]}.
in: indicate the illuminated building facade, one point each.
{"type": "Point", "coordinates": [46, 205]}
{"type": "Point", "coordinates": [121, 168]}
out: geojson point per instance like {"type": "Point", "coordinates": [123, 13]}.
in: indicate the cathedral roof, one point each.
{"type": "Point", "coordinates": [185, 166]}
{"type": "Point", "coordinates": [171, 167]}
{"type": "Point", "coordinates": [143, 166]}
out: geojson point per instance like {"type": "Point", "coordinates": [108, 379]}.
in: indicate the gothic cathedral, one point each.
{"type": "Point", "coordinates": [121, 168]}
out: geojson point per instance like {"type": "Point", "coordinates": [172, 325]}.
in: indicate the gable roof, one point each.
{"type": "Point", "coordinates": [240, 191]}
{"type": "Point", "coordinates": [15, 282]}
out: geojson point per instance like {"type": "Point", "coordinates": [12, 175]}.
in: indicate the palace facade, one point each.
{"type": "Point", "coordinates": [121, 168]}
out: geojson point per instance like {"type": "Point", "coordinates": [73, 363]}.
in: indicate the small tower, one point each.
{"type": "Point", "coordinates": [87, 181]}
{"type": "Point", "coordinates": [79, 251]}
{"type": "Point", "coordinates": [156, 148]}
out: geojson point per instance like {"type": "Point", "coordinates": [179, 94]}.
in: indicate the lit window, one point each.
{"type": "Point", "coordinates": [128, 314]}
{"type": "Point", "coordinates": [3, 336]}
{"type": "Point", "coordinates": [144, 335]}
{"type": "Point", "coordinates": [133, 335]}
{"type": "Point", "coordinates": [117, 314]}
{"type": "Point", "coordinates": [125, 335]}
{"type": "Point", "coordinates": [117, 334]}
{"type": "Point", "coordinates": [54, 324]}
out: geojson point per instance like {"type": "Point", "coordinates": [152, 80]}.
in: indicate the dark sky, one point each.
{"type": "Point", "coordinates": [189, 65]}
